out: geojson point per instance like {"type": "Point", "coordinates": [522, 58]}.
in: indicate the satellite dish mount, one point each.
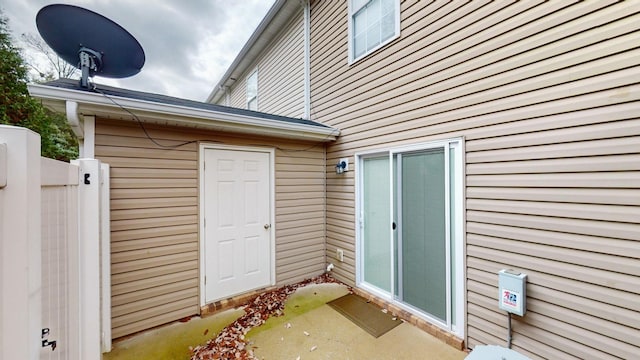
{"type": "Point", "coordinates": [90, 63]}
{"type": "Point", "coordinates": [85, 39]}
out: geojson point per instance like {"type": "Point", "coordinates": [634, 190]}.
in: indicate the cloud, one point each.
{"type": "Point", "coordinates": [188, 44]}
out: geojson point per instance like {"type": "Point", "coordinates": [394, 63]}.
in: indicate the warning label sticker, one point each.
{"type": "Point", "coordinates": [511, 300]}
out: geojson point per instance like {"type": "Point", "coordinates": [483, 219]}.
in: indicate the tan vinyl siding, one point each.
{"type": "Point", "coordinates": [154, 218]}
{"type": "Point", "coordinates": [546, 95]}
{"type": "Point", "coordinates": [238, 94]}
{"type": "Point", "coordinates": [299, 212]}
{"type": "Point", "coordinates": [280, 74]}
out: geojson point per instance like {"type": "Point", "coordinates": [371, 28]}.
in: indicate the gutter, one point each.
{"type": "Point", "coordinates": [88, 103]}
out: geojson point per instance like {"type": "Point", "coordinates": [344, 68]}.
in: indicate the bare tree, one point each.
{"type": "Point", "coordinates": [45, 62]}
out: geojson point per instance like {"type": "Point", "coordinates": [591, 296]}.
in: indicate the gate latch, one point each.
{"type": "Point", "coordinates": [45, 341]}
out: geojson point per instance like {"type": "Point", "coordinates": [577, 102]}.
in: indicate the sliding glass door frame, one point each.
{"type": "Point", "coordinates": [454, 210]}
{"type": "Point", "coordinates": [360, 220]}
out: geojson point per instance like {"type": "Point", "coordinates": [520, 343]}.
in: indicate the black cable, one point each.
{"type": "Point", "coordinates": [155, 142]}
{"type": "Point", "coordinates": [509, 331]}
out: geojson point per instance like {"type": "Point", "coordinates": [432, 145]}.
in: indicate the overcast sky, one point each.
{"type": "Point", "coordinates": [188, 44]}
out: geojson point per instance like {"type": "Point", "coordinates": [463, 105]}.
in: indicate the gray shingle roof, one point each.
{"type": "Point", "coordinates": [169, 100]}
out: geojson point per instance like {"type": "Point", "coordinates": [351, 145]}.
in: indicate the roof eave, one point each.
{"type": "Point", "coordinates": [152, 112]}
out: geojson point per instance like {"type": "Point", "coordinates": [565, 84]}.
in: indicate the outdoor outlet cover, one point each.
{"type": "Point", "coordinates": [340, 254]}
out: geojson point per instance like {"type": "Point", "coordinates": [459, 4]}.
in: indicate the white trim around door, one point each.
{"type": "Point", "coordinates": [262, 243]}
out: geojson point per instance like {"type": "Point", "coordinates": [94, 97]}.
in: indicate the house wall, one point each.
{"type": "Point", "coordinates": [546, 96]}
{"type": "Point", "coordinates": [154, 218]}
{"type": "Point", "coordinates": [280, 74]}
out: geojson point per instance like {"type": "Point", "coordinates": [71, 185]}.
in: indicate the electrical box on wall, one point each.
{"type": "Point", "coordinates": [512, 286]}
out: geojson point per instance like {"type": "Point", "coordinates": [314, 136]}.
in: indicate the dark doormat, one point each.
{"type": "Point", "coordinates": [366, 315]}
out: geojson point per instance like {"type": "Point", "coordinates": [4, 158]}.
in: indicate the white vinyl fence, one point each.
{"type": "Point", "coordinates": [53, 222]}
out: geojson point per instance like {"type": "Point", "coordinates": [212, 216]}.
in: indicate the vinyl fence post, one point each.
{"type": "Point", "coordinates": [89, 257]}
{"type": "Point", "coordinates": [20, 246]}
{"type": "Point", "coordinates": [105, 245]}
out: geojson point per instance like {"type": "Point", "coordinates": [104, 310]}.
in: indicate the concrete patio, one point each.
{"type": "Point", "coordinates": [309, 329]}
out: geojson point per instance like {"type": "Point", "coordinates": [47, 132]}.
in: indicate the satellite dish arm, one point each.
{"type": "Point", "coordinates": [90, 63]}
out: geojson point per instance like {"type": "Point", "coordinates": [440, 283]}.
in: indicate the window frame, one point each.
{"type": "Point", "coordinates": [253, 74]}
{"type": "Point", "coordinates": [352, 11]}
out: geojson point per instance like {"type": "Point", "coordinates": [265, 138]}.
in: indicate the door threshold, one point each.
{"type": "Point", "coordinates": [431, 329]}
{"type": "Point", "coordinates": [232, 302]}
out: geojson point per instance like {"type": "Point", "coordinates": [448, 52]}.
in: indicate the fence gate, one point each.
{"type": "Point", "coordinates": [60, 277]}
{"type": "Point", "coordinates": [50, 253]}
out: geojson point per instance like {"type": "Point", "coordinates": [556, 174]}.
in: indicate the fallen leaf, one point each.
{"type": "Point", "coordinates": [206, 331]}
{"type": "Point", "coordinates": [231, 343]}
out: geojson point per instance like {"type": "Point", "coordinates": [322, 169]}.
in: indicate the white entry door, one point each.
{"type": "Point", "coordinates": [237, 222]}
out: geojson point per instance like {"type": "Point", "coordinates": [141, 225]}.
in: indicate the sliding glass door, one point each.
{"type": "Point", "coordinates": [422, 236]}
{"type": "Point", "coordinates": [377, 257]}
{"type": "Point", "coordinates": [409, 206]}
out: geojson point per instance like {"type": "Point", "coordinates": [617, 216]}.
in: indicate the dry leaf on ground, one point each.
{"type": "Point", "coordinates": [230, 343]}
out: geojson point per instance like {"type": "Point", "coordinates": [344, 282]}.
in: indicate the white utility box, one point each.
{"type": "Point", "coordinates": [512, 286]}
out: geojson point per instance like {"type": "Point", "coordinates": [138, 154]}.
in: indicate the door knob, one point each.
{"type": "Point", "coordinates": [267, 226]}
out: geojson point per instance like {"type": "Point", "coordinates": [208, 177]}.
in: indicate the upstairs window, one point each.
{"type": "Point", "coordinates": [252, 91]}
{"type": "Point", "coordinates": [372, 24]}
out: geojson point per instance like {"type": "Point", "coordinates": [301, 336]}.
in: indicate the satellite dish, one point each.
{"type": "Point", "coordinates": [90, 41]}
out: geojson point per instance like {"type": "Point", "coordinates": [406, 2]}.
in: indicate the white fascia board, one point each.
{"type": "Point", "coordinates": [148, 111]}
